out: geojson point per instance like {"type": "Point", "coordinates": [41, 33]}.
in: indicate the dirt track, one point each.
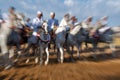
{"type": "Point", "coordinates": [106, 68]}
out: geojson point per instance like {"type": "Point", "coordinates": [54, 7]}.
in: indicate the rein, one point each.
{"type": "Point", "coordinates": [45, 41]}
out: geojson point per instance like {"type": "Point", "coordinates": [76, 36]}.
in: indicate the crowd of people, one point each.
{"type": "Point", "coordinates": [36, 23]}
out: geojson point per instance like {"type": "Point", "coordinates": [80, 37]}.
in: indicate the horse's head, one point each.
{"type": "Point", "coordinates": [45, 26]}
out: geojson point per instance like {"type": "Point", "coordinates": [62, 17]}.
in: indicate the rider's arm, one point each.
{"type": "Point", "coordinates": [1, 21]}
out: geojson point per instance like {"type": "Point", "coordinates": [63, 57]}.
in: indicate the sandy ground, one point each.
{"type": "Point", "coordinates": [88, 68]}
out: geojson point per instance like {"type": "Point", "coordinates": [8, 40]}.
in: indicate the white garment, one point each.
{"type": "Point", "coordinates": [34, 33]}
{"type": "Point", "coordinates": [37, 22]}
{"type": "Point", "coordinates": [1, 21]}
{"type": "Point", "coordinates": [63, 23]}
{"type": "Point", "coordinates": [102, 30]}
{"type": "Point", "coordinates": [62, 26]}
{"type": "Point", "coordinates": [4, 32]}
{"type": "Point", "coordinates": [84, 25]}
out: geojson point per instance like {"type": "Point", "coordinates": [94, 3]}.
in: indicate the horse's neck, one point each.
{"type": "Point", "coordinates": [42, 34]}
{"type": "Point", "coordinates": [45, 27]}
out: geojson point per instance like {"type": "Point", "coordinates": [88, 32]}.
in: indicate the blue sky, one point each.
{"type": "Point", "coordinates": [80, 8]}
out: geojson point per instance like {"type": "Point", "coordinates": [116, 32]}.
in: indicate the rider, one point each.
{"type": "Point", "coordinates": [37, 24]}
{"type": "Point", "coordinates": [13, 18]}
{"type": "Point", "coordinates": [4, 33]}
{"type": "Point", "coordinates": [100, 27]}
{"type": "Point", "coordinates": [52, 26]}
{"type": "Point", "coordinates": [102, 24]}
{"type": "Point", "coordinates": [52, 22]}
{"type": "Point", "coordinates": [28, 23]}
{"type": "Point", "coordinates": [65, 22]}
{"type": "Point", "coordinates": [38, 21]}
{"type": "Point", "coordinates": [74, 21]}
{"type": "Point", "coordinates": [87, 24]}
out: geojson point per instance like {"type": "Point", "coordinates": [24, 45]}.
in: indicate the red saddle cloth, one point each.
{"type": "Point", "coordinates": [96, 35]}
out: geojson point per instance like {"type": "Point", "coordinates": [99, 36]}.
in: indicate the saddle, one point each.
{"type": "Point", "coordinates": [96, 35]}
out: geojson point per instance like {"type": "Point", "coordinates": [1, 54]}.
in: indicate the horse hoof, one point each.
{"type": "Point", "coordinates": [19, 52]}
{"type": "Point", "coordinates": [11, 55]}
{"type": "Point", "coordinates": [46, 63]}
{"type": "Point", "coordinates": [8, 67]}
{"type": "Point", "coordinates": [72, 60]}
{"type": "Point", "coordinates": [94, 56]}
{"type": "Point", "coordinates": [61, 62]}
{"type": "Point", "coordinates": [15, 60]}
{"type": "Point", "coordinates": [27, 61]}
{"type": "Point", "coordinates": [113, 55]}
{"type": "Point", "coordinates": [36, 60]}
{"type": "Point", "coordinates": [78, 58]}
{"type": "Point", "coordinates": [58, 60]}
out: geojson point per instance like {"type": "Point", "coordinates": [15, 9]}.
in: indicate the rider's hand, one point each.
{"type": "Point", "coordinates": [3, 21]}
{"type": "Point", "coordinates": [12, 27]}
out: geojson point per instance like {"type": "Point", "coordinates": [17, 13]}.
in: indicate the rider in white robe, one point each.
{"type": "Point", "coordinates": [103, 25]}
{"type": "Point", "coordinates": [5, 30]}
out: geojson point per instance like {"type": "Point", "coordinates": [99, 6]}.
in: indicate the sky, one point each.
{"type": "Point", "coordinates": [80, 8]}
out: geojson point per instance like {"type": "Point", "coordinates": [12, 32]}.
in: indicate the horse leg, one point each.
{"type": "Point", "coordinates": [78, 52]}
{"type": "Point", "coordinates": [71, 52]}
{"type": "Point", "coordinates": [54, 46]}
{"type": "Point", "coordinates": [61, 53]}
{"type": "Point", "coordinates": [61, 56]}
{"type": "Point", "coordinates": [7, 61]}
{"type": "Point", "coordinates": [112, 47]}
{"type": "Point", "coordinates": [11, 52]}
{"type": "Point", "coordinates": [86, 45]}
{"type": "Point", "coordinates": [41, 55]}
{"type": "Point", "coordinates": [26, 51]}
{"type": "Point", "coordinates": [37, 51]}
{"type": "Point", "coordinates": [18, 49]}
{"type": "Point", "coordinates": [47, 52]}
{"type": "Point", "coordinates": [58, 55]}
{"type": "Point", "coordinates": [94, 50]}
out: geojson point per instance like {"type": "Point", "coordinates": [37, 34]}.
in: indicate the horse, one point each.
{"type": "Point", "coordinates": [60, 37]}
{"type": "Point", "coordinates": [9, 37]}
{"type": "Point", "coordinates": [39, 42]}
{"type": "Point", "coordinates": [15, 37]}
{"type": "Point", "coordinates": [75, 38]}
{"type": "Point", "coordinates": [104, 37]}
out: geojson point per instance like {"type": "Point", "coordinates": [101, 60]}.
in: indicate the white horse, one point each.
{"type": "Point", "coordinates": [60, 39]}
{"type": "Point", "coordinates": [44, 42]}
{"type": "Point", "coordinates": [75, 38]}
{"type": "Point", "coordinates": [39, 42]}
